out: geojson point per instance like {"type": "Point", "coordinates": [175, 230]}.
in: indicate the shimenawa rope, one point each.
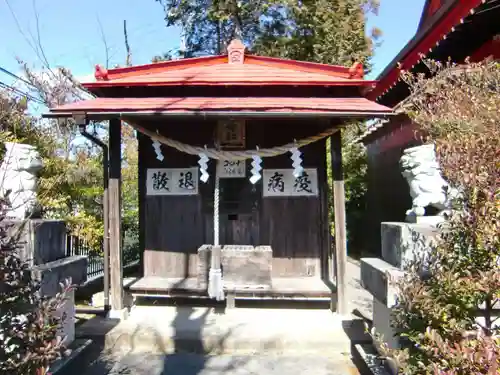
{"type": "Point", "coordinates": [232, 155]}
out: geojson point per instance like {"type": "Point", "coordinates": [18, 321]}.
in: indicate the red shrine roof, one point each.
{"type": "Point", "coordinates": [433, 28]}
{"type": "Point", "coordinates": [235, 68]}
{"type": "Point", "coordinates": [254, 104]}
{"type": "Point", "coordinates": [441, 20]}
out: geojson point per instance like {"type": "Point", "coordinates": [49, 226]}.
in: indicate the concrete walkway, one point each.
{"type": "Point", "coordinates": [192, 364]}
{"type": "Point", "coordinates": [188, 341]}
{"type": "Point", "coordinates": [161, 340]}
{"type": "Point", "coordinates": [205, 330]}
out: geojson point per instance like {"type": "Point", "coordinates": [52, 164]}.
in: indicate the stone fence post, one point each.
{"type": "Point", "coordinates": [402, 243]}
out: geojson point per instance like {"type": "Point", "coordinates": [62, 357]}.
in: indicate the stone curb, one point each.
{"type": "Point", "coordinates": [367, 359]}
{"type": "Point", "coordinates": [70, 364]}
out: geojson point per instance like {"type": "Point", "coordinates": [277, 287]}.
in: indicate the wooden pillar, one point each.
{"type": "Point", "coordinates": [115, 235]}
{"type": "Point", "coordinates": [340, 222]}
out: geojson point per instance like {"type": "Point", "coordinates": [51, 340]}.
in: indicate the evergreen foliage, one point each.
{"type": "Point", "coordinates": [330, 32]}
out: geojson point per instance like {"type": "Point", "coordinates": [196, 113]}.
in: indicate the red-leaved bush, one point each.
{"type": "Point", "coordinates": [458, 109]}
{"type": "Point", "coordinates": [29, 337]}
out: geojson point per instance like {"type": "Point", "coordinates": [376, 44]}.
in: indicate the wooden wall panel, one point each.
{"type": "Point", "coordinates": [294, 227]}
{"type": "Point", "coordinates": [174, 227]}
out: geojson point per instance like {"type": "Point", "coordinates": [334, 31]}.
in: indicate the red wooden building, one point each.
{"type": "Point", "coordinates": [231, 108]}
{"type": "Point", "coordinates": [449, 30]}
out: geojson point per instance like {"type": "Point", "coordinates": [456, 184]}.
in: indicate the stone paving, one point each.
{"type": "Point", "coordinates": [195, 364]}
{"type": "Point", "coordinates": [317, 361]}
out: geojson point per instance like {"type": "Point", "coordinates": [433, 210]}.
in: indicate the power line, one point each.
{"type": "Point", "coordinates": [22, 93]}
{"type": "Point", "coordinates": [15, 76]}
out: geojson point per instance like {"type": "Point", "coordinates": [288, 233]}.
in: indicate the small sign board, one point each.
{"type": "Point", "coordinates": [231, 168]}
{"type": "Point", "coordinates": [172, 181]}
{"type": "Point", "coordinates": [231, 133]}
{"type": "Point", "coordinates": [282, 183]}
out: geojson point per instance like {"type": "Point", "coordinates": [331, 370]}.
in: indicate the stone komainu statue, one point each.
{"type": "Point", "coordinates": [18, 178]}
{"type": "Point", "coordinates": [428, 188]}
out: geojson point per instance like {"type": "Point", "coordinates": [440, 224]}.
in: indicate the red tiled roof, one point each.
{"type": "Point", "coordinates": [197, 104]}
{"type": "Point", "coordinates": [231, 74]}
{"type": "Point", "coordinates": [235, 68]}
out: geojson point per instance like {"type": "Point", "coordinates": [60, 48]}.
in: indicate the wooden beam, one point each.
{"type": "Point", "coordinates": [141, 175]}
{"type": "Point", "coordinates": [340, 222]}
{"type": "Point", "coordinates": [115, 242]}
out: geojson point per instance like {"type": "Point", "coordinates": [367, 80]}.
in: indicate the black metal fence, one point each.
{"type": "Point", "coordinates": [95, 255]}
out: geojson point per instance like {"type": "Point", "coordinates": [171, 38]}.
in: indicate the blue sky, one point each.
{"type": "Point", "coordinates": [71, 35]}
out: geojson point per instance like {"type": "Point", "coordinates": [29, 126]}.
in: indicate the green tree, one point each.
{"type": "Point", "coordinates": [209, 26]}
{"type": "Point", "coordinates": [130, 193]}
{"type": "Point", "coordinates": [70, 184]}
{"type": "Point", "coordinates": [328, 32]}
{"type": "Point", "coordinates": [331, 32]}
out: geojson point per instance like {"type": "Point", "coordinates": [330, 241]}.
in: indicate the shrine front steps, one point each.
{"type": "Point", "coordinates": [163, 330]}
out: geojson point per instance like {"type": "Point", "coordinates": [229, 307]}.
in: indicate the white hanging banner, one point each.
{"type": "Point", "coordinates": [297, 162]}
{"type": "Point", "coordinates": [157, 148]}
{"type": "Point", "coordinates": [203, 163]}
{"type": "Point", "coordinates": [256, 168]}
{"type": "Point", "coordinates": [231, 168]}
{"type": "Point", "coordinates": [172, 181]}
{"type": "Point", "coordinates": [283, 183]}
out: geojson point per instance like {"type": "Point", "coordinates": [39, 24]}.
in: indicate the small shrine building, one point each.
{"type": "Point", "coordinates": [232, 172]}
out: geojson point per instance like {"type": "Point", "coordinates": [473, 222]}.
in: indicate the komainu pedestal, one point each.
{"type": "Point", "coordinates": [43, 247]}
{"type": "Point", "coordinates": [403, 244]}
{"type": "Point", "coordinates": [50, 275]}
{"type": "Point", "coordinates": [41, 240]}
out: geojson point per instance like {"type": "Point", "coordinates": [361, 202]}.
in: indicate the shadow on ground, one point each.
{"type": "Point", "coordinates": [188, 356]}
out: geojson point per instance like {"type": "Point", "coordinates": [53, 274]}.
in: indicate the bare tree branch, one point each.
{"type": "Point", "coordinates": [128, 60]}
{"type": "Point", "coordinates": [19, 28]}
{"type": "Point", "coordinates": [38, 36]}
{"type": "Point", "coordinates": [104, 41]}
{"type": "Point", "coordinates": [35, 42]}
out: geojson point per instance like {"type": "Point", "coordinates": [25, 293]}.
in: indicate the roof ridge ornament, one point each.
{"type": "Point", "coordinates": [357, 71]}
{"type": "Point", "coordinates": [236, 52]}
{"type": "Point", "coordinates": [101, 73]}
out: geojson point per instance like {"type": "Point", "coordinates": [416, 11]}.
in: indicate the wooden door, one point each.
{"type": "Point", "coordinates": [239, 224]}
